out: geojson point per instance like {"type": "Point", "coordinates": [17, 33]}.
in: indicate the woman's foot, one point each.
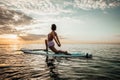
{"type": "Point", "coordinates": [67, 53]}
{"type": "Point", "coordinates": [46, 50]}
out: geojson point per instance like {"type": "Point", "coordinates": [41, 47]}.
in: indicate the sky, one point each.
{"type": "Point", "coordinates": [78, 21]}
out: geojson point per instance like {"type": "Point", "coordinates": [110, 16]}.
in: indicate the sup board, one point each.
{"type": "Point", "coordinates": [50, 53]}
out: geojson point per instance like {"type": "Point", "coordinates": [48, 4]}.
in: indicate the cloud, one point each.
{"type": "Point", "coordinates": [7, 29]}
{"type": "Point", "coordinates": [118, 36]}
{"type": "Point", "coordinates": [31, 36]}
{"type": "Point", "coordinates": [95, 4]}
{"type": "Point", "coordinates": [41, 7]}
{"type": "Point", "coordinates": [12, 17]}
{"type": "Point", "coordinates": [37, 8]}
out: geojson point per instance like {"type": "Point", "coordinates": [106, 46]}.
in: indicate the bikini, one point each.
{"type": "Point", "coordinates": [50, 43]}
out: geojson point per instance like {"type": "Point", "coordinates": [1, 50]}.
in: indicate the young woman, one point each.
{"type": "Point", "coordinates": [50, 43]}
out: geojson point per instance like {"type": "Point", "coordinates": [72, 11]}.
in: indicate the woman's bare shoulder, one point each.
{"type": "Point", "coordinates": [54, 33]}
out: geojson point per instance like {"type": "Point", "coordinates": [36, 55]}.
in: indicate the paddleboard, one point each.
{"type": "Point", "coordinates": [50, 53]}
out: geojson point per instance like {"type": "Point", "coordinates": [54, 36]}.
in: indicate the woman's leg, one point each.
{"type": "Point", "coordinates": [46, 44]}
{"type": "Point", "coordinates": [57, 51]}
{"type": "Point", "coordinates": [53, 49]}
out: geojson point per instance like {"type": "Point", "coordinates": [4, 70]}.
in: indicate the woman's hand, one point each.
{"type": "Point", "coordinates": [59, 45]}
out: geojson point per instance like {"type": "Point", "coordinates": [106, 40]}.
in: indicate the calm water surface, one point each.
{"type": "Point", "coordinates": [105, 64]}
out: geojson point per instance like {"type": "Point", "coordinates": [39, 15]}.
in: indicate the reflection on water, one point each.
{"type": "Point", "coordinates": [105, 64]}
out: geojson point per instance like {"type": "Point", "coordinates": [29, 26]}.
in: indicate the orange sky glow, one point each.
{"type": "Point", "coordinates": [19, 40]}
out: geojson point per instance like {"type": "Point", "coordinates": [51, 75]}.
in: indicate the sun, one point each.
{"type": "Point", "coordinates": [9, 36]}
{"type": "Point", "coordinates": [12, 36]}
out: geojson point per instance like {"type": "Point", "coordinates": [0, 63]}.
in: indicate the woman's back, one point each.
{"type": "Point", "coordinates": [50, 36]}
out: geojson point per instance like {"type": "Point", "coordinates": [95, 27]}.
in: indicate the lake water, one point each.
{"type": "Point", "coordinates": [105, 64]}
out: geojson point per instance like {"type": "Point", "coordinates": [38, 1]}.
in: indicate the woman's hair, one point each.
{"type": "Point", "coordinates": [53, 27]}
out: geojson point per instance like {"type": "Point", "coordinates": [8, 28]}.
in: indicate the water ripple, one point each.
{"type": "Point", "coordinates": [105, 65]}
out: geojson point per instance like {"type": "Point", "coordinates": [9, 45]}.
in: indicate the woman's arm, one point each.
{"type": "Point", "coordinates": [56, 38]}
